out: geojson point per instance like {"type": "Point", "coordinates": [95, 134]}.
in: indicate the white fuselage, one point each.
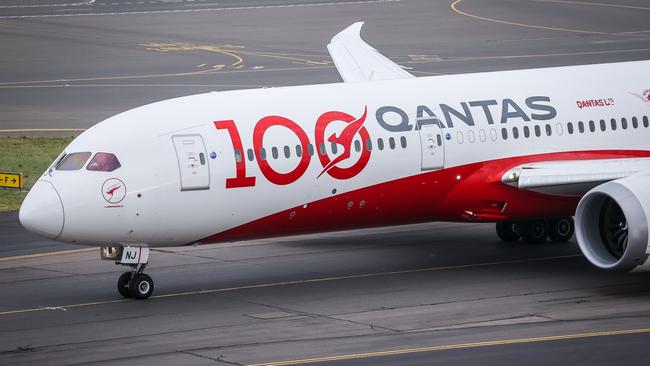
{"type": "Point", "coordinates": [431, 143]}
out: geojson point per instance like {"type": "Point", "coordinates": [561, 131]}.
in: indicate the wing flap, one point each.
{"type": "Point", "coordinates": [355, 60]}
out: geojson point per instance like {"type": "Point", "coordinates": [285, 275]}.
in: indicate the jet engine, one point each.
{"type": "Point", "coordinates": [612, 224]}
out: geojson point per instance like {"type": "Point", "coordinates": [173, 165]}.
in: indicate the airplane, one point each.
{"type": "Point", "coordinates": [528, 150]}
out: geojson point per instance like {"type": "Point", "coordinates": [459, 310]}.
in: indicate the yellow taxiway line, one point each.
{"type": "Point", "coordinates": [48, 254]}
{"type": "Point", "coordinates": [501, 342]}
{"type": "Point", "coordinates": [44, 130]}
{"type": "Point", "coordinates": [454, 7]}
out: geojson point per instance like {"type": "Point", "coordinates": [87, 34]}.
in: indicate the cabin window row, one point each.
{"type": "Point", "coordinates": [287, 151]}
{"type": "Point", "coordinates": [547, 130]}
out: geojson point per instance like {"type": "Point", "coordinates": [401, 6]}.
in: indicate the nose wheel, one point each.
{"type": "Point", "coordinates": [135, 284]}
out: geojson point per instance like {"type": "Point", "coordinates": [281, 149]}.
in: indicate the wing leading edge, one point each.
{"type": "Point", "coordinates": [355, 60]}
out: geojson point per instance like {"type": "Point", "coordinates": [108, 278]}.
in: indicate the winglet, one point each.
{"type": "Point", "coordinates": [355, 60]}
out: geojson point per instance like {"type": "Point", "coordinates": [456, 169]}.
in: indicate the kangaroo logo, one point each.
{"type": "Point", "coordinates": [345, 138]}
{"type": "Point", "coordinates": [113, 190]}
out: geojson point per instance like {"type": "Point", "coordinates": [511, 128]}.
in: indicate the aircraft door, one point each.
{"type": "Point", "coordinates": [192, 162]}
{"type": "Point", "coordinates": [433, 150]}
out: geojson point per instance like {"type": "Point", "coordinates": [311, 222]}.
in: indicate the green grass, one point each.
{"type": "Point", "coordinates": [30, 156]}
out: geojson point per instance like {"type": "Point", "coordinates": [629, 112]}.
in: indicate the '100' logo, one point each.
{"type": "Point", "coordinates": [330, 166]}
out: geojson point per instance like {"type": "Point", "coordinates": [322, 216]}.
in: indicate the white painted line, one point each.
{"type": "Point", "coordinates": [89, 2]}
{"type": "Point", "coordinates": [203, 10]}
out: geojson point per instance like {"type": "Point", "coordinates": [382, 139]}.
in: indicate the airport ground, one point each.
{"type": "Point", "coordinates": [448, 294]}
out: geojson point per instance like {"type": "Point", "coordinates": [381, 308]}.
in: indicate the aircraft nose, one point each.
{"type": "Point", "coordinates": [42, 210]}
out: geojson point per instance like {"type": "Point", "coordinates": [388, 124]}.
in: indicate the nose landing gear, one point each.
{"type": "Point", "coordinates": [134, 283]}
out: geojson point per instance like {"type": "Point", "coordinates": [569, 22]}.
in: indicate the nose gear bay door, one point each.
{"type": "Point", "coordinates": [192, 162]}
{"type": "Point", "coordinates": [433, 151]}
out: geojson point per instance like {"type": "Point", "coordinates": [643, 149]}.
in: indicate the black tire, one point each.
{"type": "Point", "coordinates": [508, 231]}
{"type": "Point", "coordinates": [561, 230]}
{"type": "Point", "coordinates": [141, 286]}
{"type": "Point", "coordinates": [534, 232]}
{"type": "Point", "coordinates": [123, 284]}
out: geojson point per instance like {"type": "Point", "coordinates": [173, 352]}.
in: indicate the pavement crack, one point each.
{"type": "Point", "coordinates": [219, 359]}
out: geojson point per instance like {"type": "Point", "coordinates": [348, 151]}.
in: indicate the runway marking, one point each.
{"type": "Point", "coordinates": [474, 58]}
{"type": "Point", "coordinates": [501, 342]}
{"type": "Point", "coordinates": [596, 4]}
{"type": "Point", "coordinates": [454, 7]}
{"type": "Point", "coordinates": [47, 254]}
{"type": "Point", "coordinates": [133, 85]}
{"type": "Point", "coordinates": [228, 50]}
{"type": "Point", "coordinates": [14, 84]}
{"type": "Point", "coordinates": [203, 10]}
{"type": "Point", "coordinates": [296, 282]}
{"type": "Point", "coordinates": [190, 73]}
{"type": "Point", "coordinates": [44, 130]}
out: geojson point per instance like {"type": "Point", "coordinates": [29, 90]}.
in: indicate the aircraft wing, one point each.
{"type": "Point", "coordinates": [357, 61]}
{"type": "Point", "coordinates": [572, 177]}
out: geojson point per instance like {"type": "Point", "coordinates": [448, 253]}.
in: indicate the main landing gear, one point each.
{"type": "Point", "coordinates": [134, 283]}
{"type": "Point", "coordinates": [536, 231]}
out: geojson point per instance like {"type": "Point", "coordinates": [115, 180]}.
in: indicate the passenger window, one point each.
{"type": "Point", "coordinates": [287, 152]}
{"type": "Point", "coordinates": [104, 162]}
{"type": "Point", "coordinates": [603, 125]}
{"type": "Point", "coordinates": [645, 121]}
{"type": "Point", "coordinates": [569, 128]}
{"type": "Point", "coordinates": [310, 149]}
{"type": "Point", "coordinates": [504, 133]}
{"type": "Point", "coordinates": [526, 132]}
{"type": "Point", "coordinates": [592, 126]}
{"type": "Point", "coordinates": [299, 151]}
{"type": "Point", "coordinates": [274, 152]}
{"type": "Point", "coordinates": [459, 137]}
{"type": "Point", "coordinates": [263, 153]}
{"type": "Point", "coordinates": [481, 135]}
{"type": "Point", "coordinates": [538, 131]}
{"type": "Point", "coordinates": [515, 132]}
{"type": "Point", "coordinates": [613, 123]}
{"type": "Point", "coordinates": [493, 134]}
{"type": "Point", "coordinates": [357, 146]}
{"type": "Point", "coordinates": [335, 148]}
{"type": "Point", "coordinates": [391, 143]}
{"type": "Point", "coordinates": [624, 123]}
{"type": "Point", "coordinates": [251, 154]}
{"type": "Point", "coordinates": [321, 149]}
{"type": "Point", "coordinates": [402, 141]}
{"type": "Point", "coordinates": [548, 129]}
{"type": "Point", "coordinates": [635, 122]}
{"type": "Point", "coordinates": [75, 161]}
{"type": "Point", "coordinates": [558, 129]}
{"type": "Point", "coordinates": [380, 144]}
{"type": "Point", "coordinates": [238, 156]}
{"type": "Point", "coordinates": [369, 144]}
{"type": "Point", "coordinates": [581, 127]}
{"type": "Point", "coordinates": [470, 136]}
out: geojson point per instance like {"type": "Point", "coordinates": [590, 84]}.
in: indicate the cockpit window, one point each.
{"type": "Point", "coordinates": [104, 162]}
{"type": "Point", "coordinates": [72, 161]}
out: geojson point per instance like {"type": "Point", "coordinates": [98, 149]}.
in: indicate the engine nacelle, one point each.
{"type": "Point", "coordinates": [612, 224]}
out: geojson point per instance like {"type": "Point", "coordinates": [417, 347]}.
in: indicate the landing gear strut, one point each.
{"type": "Point", "coordinates": [134, 283]}
{"type": "Point", "coordinates": [536, 231]}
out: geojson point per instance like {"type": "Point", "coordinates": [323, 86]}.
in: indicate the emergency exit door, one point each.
{"type": "Point", "coordinates": [433, 152]}
{"type": "Point", "coordinates": [192, 162]}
